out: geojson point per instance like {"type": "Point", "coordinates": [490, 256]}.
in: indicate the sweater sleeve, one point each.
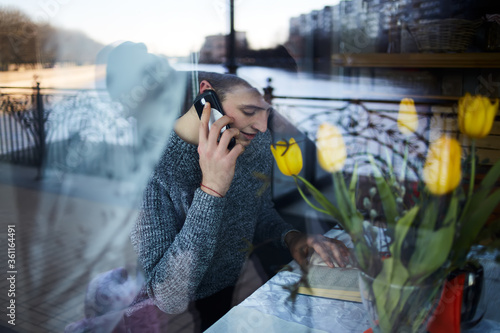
{"type": "Point", "coordinates": [174, 261]}
{"type": "Point", "coordinates": [270, 225]}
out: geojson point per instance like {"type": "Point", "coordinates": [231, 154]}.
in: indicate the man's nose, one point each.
{"type": "Point", "coordinates": [260, 123]}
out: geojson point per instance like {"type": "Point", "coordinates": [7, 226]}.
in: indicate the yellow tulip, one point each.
{"type": "Point", "coordinates": [331, 148]}
{"type": "Point", "coordinates": [442, 171]}
{"type": "Point", "coordinates": [407, 117]}
{"type": "Point", "coordinates": [476, 115]}
{"type": "Point", "coordinates": [288, 156]}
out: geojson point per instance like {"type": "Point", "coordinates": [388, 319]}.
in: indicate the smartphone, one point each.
{"type": "Point", "coordinates": [217, 112]}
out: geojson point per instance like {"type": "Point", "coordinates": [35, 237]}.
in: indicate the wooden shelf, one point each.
{"type": "Point", "coordinates": [417, 60]}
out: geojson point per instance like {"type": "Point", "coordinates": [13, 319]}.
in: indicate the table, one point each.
{"type": "Point", "coordinates": [270, 310]}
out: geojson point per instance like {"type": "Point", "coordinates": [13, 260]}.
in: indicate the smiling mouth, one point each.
{"type": "Point", "coordinates": [248, 136]}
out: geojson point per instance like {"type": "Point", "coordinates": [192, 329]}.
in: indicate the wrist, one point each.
{"type": "Point", "coordinates": [212, 191]}
{"type": "Point", "coordinates": [291, 236]}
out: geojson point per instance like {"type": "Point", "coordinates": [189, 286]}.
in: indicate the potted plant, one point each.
{"type": "Point", "coordinates": [430, 235]}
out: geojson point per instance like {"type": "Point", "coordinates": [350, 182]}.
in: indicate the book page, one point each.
{"type": "Point", "coordinates": [337, 283]}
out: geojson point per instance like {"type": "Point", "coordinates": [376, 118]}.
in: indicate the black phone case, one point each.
{"type": "Point", "coordinates": [216, 113]}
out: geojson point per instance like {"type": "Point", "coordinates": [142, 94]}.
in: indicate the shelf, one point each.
{"type": "Point", "coordinates": [417, 60]}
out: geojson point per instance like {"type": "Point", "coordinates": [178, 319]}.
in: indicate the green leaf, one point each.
{"type": "Point", "coordinates": [473, 222]}
{"type": "Point", "coordinates": [343, 195]}
{"type": "Point", "coordinates": [487, 184]}
{"type": "Point", "coordinates": [311, 204]}
{"type": "Point", "coordinates": [475, 201]}
{"type": "Point", "coordinates": [393, 271]}
{"type": "Point", "coordinates": [402, 228]}
{"type": "Point", "coordinates": [390, 300]}
{"type": "Point", "coordinates": [386, 195]}
{"type": "Point", "coordinates": [328, 207]}
{"type": "Point", "coordinates": [388, 296]}
{"type": "Point", "coordinates": [432, 249]}
{"type": "Point", "coordinates": [353, 183]}
{"type": "Point", "coordinates": [491, 177]}
{"type": "Point", "coordinates": [478, 215]}
{"type": "Point", "coordinates": [451, 213]}
{"type": "Point", "coordinates": [430, 214]}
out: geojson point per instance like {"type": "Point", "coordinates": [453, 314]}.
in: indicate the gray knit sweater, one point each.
{"type": "Point", "coordinates": [192, 244]}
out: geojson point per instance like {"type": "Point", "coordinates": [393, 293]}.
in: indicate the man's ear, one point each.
{"type": "Point", "coordinates": [205, 85]}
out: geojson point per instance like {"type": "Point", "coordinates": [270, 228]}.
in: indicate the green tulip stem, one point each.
{"type": "Point", "coordinates": [307, 200]}
{"type": "Point", "coordinates": [472, 167]}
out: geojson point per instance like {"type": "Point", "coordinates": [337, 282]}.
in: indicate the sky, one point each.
{"type": "Point", "coordinates": [171, 27]}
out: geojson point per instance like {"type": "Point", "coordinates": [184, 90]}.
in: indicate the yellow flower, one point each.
{"type": "Point", "coordinates": [331, 148]}
{"type": "Point", "coordinates": [442, 170]}
{"type": "Point", "coordinates": [288, 156]}
{"type": "Point", "coordinates": [476, 115]}
{"type": "Point", "coordinates": [407, 117]}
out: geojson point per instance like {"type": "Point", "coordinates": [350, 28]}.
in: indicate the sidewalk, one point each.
{"type": "Point", "coordinates": [62, 241]}
{"type": "Point", "coordinates": [68, 231]}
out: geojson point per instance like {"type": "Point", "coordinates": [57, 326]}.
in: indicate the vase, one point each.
{"type": "Point", "coordinates": [394, 308]}
{"type": "Point", "coordinates": [459, 302]}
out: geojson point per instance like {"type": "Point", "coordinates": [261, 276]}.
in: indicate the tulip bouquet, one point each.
{"type": "Point", "coordinates": [430, 235]}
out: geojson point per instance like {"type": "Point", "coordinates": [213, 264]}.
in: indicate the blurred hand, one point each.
{"type": "Point", "coordinates": [330, 250]}
{"type": "Point", "coordinates": [217, 163]}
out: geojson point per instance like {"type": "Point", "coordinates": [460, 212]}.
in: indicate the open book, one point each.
{"type": "Point", "coordinates": [337, 283]}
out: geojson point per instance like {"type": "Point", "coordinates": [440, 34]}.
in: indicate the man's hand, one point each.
{"type": "Point", "coordinates": [330, 250]}
{"type": "Point", "coordinates": [217, 163]}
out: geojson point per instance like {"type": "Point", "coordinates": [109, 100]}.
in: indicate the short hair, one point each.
{"type": "Point", "coordinates": [223, 83]}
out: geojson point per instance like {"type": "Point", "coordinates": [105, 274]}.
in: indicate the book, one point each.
{"type": "Point", "coordinates": [336, 283]}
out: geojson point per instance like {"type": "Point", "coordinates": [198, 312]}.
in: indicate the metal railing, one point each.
{"type": "Point", "coordinates": [369, 126]}
{"type": "Point", "coordinates": [22, 126]}
{"type": "Point", "coordinates": [44, 128]}
{"type": "Point", "coordinates": [34, 132]}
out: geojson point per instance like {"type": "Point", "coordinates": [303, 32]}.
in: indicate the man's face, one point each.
{"type": "Point", "coordinates": [249, 110]}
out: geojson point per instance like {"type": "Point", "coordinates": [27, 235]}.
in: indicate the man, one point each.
{"type": "Point", "coordinates": [204, 203]}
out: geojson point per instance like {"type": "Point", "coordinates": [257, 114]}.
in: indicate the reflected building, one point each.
{"type": "Point", "coordinates": [350, 26]}
{"type": "Point", "coordinates": [213, 50]}
{"type": "Point", "coordinates": [297, 36]}
{"type": "Point", "coordinates": [372, 26]}
{"type": "Point", "coordinates": [310, 39]}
